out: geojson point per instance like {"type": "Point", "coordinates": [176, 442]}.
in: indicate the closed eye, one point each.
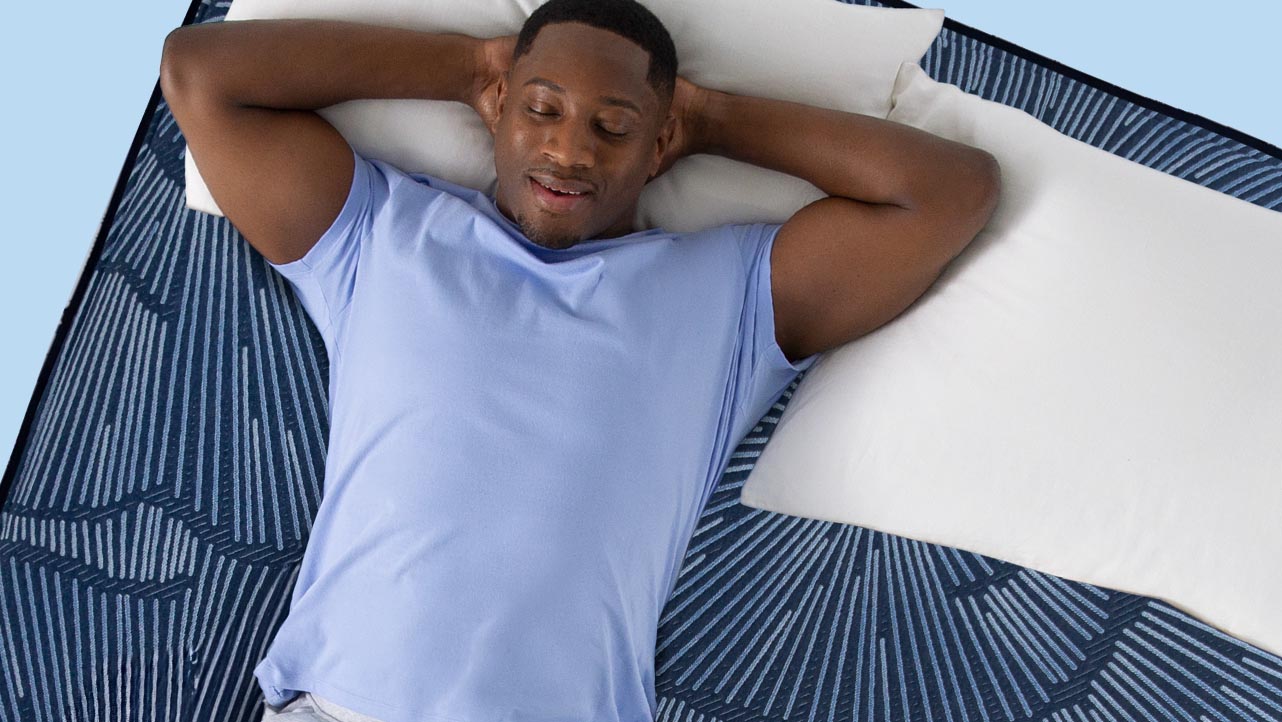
{"type": "Point", "coordinates": [604, 130]}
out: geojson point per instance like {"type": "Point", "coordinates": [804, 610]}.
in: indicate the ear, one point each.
{"type": "Point", "coordinates": [500, 96]}
{"type": "Point", "coordinates": [662, 143]}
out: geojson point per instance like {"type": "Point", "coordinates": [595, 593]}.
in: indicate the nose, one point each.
{"type": "Point", "coordinates": [569, 145]}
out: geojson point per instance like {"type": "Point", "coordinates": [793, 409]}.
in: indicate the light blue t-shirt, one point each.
{"type": "Point", "coordinates": [521, 442]}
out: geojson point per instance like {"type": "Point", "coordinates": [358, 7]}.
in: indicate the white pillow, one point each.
{"type": "Point", "coordinates": [1093, 389]}
{"type": "Point", "coordinates": [819, 52]}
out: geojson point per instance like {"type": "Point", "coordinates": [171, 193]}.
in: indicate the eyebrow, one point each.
{"type": "Point", "coordinates": [607, 99]}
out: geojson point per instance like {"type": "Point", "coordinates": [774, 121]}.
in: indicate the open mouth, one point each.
{"type": "Point", "coordinates": [558, 201]}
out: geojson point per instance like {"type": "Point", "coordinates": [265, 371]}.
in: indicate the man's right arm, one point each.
{"type": "Point", "coordinates": [244, 94]}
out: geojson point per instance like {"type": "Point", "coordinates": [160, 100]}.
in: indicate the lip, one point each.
{"type": "Point", "coordinates": [554, 202]}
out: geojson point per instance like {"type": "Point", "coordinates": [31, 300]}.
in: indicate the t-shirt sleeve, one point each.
{"type": "Point", "coordinates": [765, 370]}
{"type": "Point", "coordinates": [325, 278]}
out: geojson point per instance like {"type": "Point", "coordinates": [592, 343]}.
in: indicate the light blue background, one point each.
{"type": "Point", "coordinates": [77, 77]}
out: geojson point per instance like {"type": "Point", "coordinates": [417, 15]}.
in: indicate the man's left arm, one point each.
{"type": "Point", "coordinates": [902, 204]}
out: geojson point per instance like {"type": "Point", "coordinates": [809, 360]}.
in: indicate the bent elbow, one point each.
{"type": "Point", "coordinates": [179, 59]}
{"type": "Point", "coordinates": [171, 75]}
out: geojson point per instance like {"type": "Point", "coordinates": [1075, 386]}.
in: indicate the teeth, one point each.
{"type": "Point", "coordinates": [573, 193]}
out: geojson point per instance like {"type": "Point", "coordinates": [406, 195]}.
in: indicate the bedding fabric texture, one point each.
{"type": "Point", "coordinates": [819, 52]}
{"type": "Point", "coordinates": [1093, 388]}
{"type": "Point", "coordinates": [170, 467]}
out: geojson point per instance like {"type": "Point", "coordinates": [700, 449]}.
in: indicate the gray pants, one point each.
{"type": "Point", "coordinates": [307, 707]}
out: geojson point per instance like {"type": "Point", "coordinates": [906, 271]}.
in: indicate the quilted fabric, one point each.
{"type": "Point", "coordinates": [168, 472]}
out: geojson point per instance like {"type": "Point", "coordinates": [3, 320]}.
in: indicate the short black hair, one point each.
{"type": "Point", "coordinates": [628, 18]}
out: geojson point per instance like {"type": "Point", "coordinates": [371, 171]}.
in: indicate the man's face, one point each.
{"type": "Point", "coordinates": [576, 113]}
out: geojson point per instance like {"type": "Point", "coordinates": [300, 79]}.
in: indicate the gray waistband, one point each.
{"type": "Point", "coordinates": [339, 712]}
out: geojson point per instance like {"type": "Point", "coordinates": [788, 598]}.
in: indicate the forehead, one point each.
{"type": "Point", "coordinates": [587, 61]}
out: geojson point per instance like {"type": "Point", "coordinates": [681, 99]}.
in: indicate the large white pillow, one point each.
{"type": "Point", "coordinates": [819, 52]}
{"type": "Point", "coordinates": [1093, 389]}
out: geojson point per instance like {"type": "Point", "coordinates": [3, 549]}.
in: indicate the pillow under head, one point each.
{"type": "Point", "coordinates": [819, 52]}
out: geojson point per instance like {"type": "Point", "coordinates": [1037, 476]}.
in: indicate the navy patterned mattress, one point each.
{"type": "Point", "coordinates": [168, 470]}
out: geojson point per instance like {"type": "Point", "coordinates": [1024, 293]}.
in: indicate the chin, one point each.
{"type": "Point", "coordinates": [548, 239]}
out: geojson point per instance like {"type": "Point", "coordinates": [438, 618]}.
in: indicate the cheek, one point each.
{"type": "Point", "coordinates": [504, 142]}
{"type": "Point", "coordinates": [508, 159]}
{"type": "Point", "coordinates": [515, 143]}
{"type": "Point", "coordinates": [639, 168]}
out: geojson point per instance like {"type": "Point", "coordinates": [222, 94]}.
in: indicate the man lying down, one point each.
{"type": "Point", "coordinates": [531, 399]}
